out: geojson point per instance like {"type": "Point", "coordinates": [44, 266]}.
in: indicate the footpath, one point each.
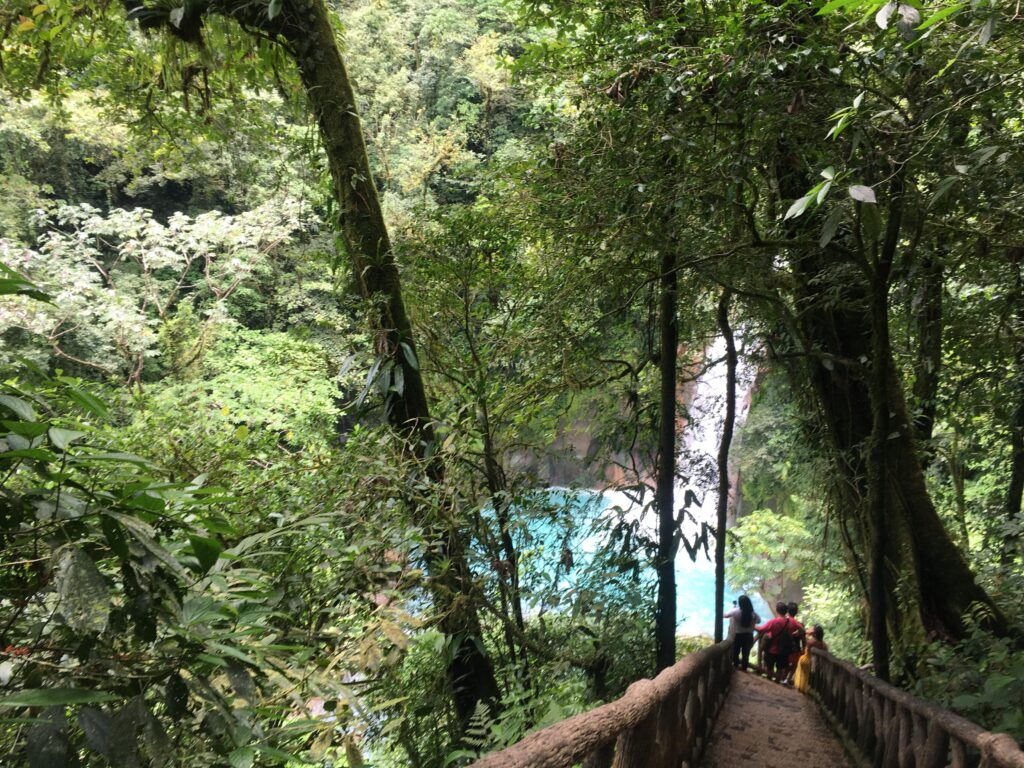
{"type": "Point", "coordinates": [767, 725]}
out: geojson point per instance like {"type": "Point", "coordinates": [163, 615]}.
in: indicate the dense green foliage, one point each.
{"type": "Point", "coordinates": [216, 548]}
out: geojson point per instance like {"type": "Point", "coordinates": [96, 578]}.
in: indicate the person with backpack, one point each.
{"type": "Point", "coordinates": [742, 621]}
{"type": "Point", "coordinates": [798, 633]}
{"type": "Point", "coordinates": [778, 642]}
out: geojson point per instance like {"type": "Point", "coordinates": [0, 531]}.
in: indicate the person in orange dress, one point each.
{"type": "Point", "coordinates": [802, 677]}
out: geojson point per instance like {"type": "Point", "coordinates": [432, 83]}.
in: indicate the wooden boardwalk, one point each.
{"type": "Point", "coordinates": [766, 725]}
{"type": "Point", "coordinates": [663, 722]}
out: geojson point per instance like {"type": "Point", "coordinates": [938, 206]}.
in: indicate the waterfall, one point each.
{"type": "Point", "coordinates": [701, 434]}
{"type": "Point", "coordinates": [696, 487]}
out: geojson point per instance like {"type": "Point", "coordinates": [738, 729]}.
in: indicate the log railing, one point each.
{"type": "Point", "coordinates": [659, 723]}
{"type": "Point", "coordinates": [896, 730]}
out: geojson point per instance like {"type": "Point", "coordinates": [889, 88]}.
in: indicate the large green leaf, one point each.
{"type": "Point", "coordinates": [36, 454]}
{"type": "Point", "coordinates": [84, 596]}
{"type": "Point", "coordinates": [62, 438]}
{"type": "Point", "coordinates": [25, 428]}
{"type": "Point", "coordinates": [206, 550]}
{"type": "Point", "coordinates": [89, 402]}
{"type": "Point", "coordinates": [127, 458]}
{"type": "Point", "coordinates": [146, 536]}
{"type": "Point", "coordinates": [47, 744]}
{"type": "Point", "coordinates": [18, 407]}
{"type": "Point", "coordinates": [14, 284]}
{"type": "Point", "coordinates": [938, 16]}
{"type": "Point", "coordinates": [243, 757]}
{"type": "Point", "coordinates": [96, 725]}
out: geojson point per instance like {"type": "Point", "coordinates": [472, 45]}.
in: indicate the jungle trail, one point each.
{"type": "Point", "coordinates": [667, 186]}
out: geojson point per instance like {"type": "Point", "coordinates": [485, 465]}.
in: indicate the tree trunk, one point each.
{"type": "Point", "coordinates": [957, 472]}
{"type": "Point", "coordinates": [928, 321]}
{"type": "Point", "coordinates": [665, 619]}
{"type": "Point", "coordinates": [945, 586]}
{"type": "Point", "coordinates": [723, 459]}
{"type": "Point", "coordinates": [878, 446]}
{"type": "Point", "coordinates": [1015, 489]}
{"type": "Point", "coordinates": [306, 27]}
{"type": "Point", "coordinates": [497, 489]}
{"type": "Point", "coordinates": [838, 336]}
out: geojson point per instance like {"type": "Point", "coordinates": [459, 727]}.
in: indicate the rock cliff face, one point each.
{"type": "Point", "coordinates": [579, 457]}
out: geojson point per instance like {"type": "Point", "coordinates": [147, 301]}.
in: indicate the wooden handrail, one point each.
{"type": "Point", "coordinates": [896, 730]}
{"type": "Point", "coordinates": [659, 723]}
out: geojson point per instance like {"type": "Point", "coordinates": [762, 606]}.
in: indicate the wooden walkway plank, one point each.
{"type": "Point", "coordinates": [767, 725]}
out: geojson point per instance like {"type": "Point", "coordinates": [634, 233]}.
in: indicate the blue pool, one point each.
{"type": "Point", "coordinates": [581, 521]}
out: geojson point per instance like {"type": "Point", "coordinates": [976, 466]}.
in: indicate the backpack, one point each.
{"type": "Point", "coordinates": [785, 643]}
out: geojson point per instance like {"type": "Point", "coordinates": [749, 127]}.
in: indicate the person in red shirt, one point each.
{"type": "Point", "coordinates": [798, 632]}
{"type": "Point", "coordinates": [777, 648]}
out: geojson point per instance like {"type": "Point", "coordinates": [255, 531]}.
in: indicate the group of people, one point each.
{"type": "Point", "coordinates": [784, 643]}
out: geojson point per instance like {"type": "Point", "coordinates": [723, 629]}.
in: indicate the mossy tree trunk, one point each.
{"type": "Point", "coordinates": [304, 28]}
{"type": "Point", "coordinates": [1015, 488]}
{"type": "Point", "coordinates": [928, 361]}
{"type": "Point", "coordinates": [878, 510]}
{"type": "Point", "coordinates": [731, 362]}
{"type": "Point", "coordinates": [311, 38]}
{"type": "Point", "coordinates": [665, 618]}
{"type": "Point", "coordinates": [917, 542]}
{"type": "Point", "coordinates": [838, 337]}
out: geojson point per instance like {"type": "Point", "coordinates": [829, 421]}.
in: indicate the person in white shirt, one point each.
{"type": "Point", "coordinates": [742, 621]}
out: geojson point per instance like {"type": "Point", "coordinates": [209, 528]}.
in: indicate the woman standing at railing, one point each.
{"type": "Point", "coordinates": [742, 621]}
{"type": "Point", "coordinates": [802, 678]}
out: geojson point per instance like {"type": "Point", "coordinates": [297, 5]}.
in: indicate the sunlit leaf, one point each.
{"type": "Point", "coordinates": [206, 550]}
{"type": "Point", "coordinates": [884, 14]}
{"type": "Point", "coordinates": [62, 438]}
{"type": "Point", "coordinates": [798, 207]}
{"type": "Point", "coordinates": [941, 14]}
{"type": "Point", "coordinates": [986, 31]}
{"type": "Point", "coordinates": [863, 194]}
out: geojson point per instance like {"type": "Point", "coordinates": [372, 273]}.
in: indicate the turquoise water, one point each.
{"type": "Point", "coordinates": [583, 521]}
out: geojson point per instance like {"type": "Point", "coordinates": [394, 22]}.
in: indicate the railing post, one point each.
{"type": "Point", "coordinates": [669, 731]}
{"type": "Point", "coordinates": [634, 747]}
{"type": "Point", "coordinates": [602, 758]}
{"type": "Point", "coordinates": [702, 709]}
{"type": "Point", "coordinates": [895, 730]}
{"type": "Point", "coordinates": [683, 751]}
{"type": "Point", "coordinates": [866, 716]}
{"type": "Point", "coordinates": [936, 746]}
{"type": "Point", "coordinates": [959, 754]}
{"type": "Point", "coordinates": [878, 712]}
{"type": "Point", "coordinates": [693, 719]}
